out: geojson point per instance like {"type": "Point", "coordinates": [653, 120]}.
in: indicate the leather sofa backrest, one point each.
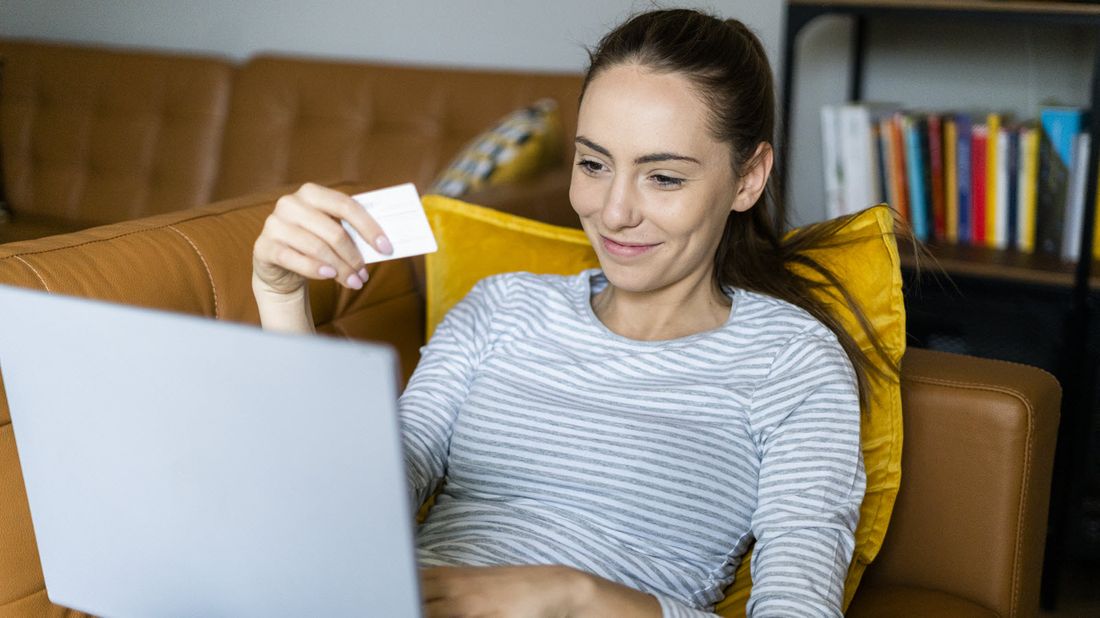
{"type": "Point", "coordinates": [92, 135]}
{"type": "Point", "coordinates": [293, 120]}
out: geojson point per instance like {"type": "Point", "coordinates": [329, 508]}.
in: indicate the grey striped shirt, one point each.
{"type": "Point", "coordinates": [654, 464]}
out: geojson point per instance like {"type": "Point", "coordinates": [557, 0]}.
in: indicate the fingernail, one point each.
{"type": "Point", "coordinates": [326, 271]}
{"type": "Point", "coordinates": [355, 282]}
{"type": "Point", "coordinates": [363, 274]}
{"type": "Point", "coordinates": [383, 244]}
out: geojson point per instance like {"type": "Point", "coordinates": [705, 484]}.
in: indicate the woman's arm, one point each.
{"type": "Point", "coordinates": [806, 420]}
{"type": "Point", "coordinates": [302, 239]}
{"type": "Point", "coordinates": [441, 383]}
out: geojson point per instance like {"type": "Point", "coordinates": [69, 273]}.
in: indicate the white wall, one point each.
{"type": "Point", "coordinates": [933, 64]}
{"type": "Point", "coordinates": [522, 34]}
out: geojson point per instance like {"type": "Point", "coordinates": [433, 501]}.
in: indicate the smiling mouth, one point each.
{"type": "Point", "coordinates": [625, 249]}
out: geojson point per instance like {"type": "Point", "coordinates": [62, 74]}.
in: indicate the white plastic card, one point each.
{"type": "Point", "coordinates": [399, 212]}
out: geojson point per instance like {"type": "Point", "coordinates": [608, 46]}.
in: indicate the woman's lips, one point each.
{"type": "Point", "coordinates": [622, 249]}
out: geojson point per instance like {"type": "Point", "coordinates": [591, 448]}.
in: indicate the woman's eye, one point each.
{"type": "Point", "coordinates": [667, 182]}
{"type": "Point", "coordinates": [590, 166]}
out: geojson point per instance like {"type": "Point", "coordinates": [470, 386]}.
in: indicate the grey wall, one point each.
{"type": "Point", "coordinates": [523, 34]}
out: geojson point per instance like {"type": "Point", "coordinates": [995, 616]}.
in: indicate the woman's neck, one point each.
{"type": "Point", "coordinates": [685, 308]}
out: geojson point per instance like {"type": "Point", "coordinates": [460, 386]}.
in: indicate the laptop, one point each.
{"type": "Point", "coordinates": [182, 466]}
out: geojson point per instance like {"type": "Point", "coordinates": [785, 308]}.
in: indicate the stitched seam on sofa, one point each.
{"type": "Point", "coordinates": [144, 230]}
{"type": "Point", "coordinates": [34, 270]}
{"type": "Point", "coordinates": [205, 265]}
{"type": "Point", "coordinates": [1024, 489]}
{"type": "Point", "coordinates": [1004, 362]}
{"type": "Point", "coordinates": [1015, 591]}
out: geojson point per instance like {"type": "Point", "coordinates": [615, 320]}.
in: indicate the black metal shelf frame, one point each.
{"type": "Point", "coordinates": [1076, 382]}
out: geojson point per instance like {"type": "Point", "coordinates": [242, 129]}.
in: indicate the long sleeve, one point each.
{"type": "Point", "coordinates": [435, 392]}
{"type": "Point", "coordinates": [671, 608]}
{"type": "Point", "coordinates": [806, 420]}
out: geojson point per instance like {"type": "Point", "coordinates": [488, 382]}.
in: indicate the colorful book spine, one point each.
{"type": "Point", "coordinates": [1059, 126]}
{"type": "Point", "coordinates": [1012, 195]}
{"type": "Point", "coordinates": [935, 174]}
{"type": "Point", "coordinates": [963, 161]}
{"type": "Point", "coordinates": [918, 199]}
{"type": "Point", "coordinates": [900, 167]}
{"type": "Point", "coordinates": [993, 199]}
{"type": "Point", "coordinates": [1000, 195]}
{"type": "Point", "coordinates": [1096, 227]}
{"type": "Point", "coordinates": [1026, 192]}
{"type": "Point", "coordinates": [1075, 199]}
{"type": "Point", "coordinates": [880, 154]}
{"type": "Point", "coordinates": [951, 179]}
{"type": "Point", "coordinates": [979, 138]}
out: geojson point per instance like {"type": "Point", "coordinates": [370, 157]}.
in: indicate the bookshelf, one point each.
{"type": "Point", "coordinates": [1072, 290]}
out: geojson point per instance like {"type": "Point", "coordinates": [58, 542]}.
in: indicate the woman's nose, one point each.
{"type": "Point", "coordinates": [620, 208]}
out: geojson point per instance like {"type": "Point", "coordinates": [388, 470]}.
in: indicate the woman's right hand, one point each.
{"type": "Point", "coordinates": [302, 239]}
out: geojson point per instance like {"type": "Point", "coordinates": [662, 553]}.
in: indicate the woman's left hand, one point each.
{"type": "Point", "coordinates": [535, 591]}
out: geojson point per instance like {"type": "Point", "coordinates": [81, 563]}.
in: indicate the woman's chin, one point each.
{"type": "Point", "coordinates": [632, 278]}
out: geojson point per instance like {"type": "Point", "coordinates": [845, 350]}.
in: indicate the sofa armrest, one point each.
{"type": "Point", "coordinates": [970, 518]}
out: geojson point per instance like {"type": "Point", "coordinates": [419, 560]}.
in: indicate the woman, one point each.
{"type": "Point", "coordinates": [612, 442]}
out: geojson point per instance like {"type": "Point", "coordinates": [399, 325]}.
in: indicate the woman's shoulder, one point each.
{"type": "Point", "coordinates": [782, 320]}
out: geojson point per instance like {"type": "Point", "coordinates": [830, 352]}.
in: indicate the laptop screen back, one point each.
{"type": "Point", "coordinates": [182, 466]}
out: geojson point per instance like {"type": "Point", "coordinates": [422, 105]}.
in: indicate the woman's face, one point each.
{"type": "Point", "coordinates": [652, 187]}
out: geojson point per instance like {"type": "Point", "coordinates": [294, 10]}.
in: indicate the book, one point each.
{"type": "Point", "coordinates": [979, 137]}
{"type": "Point", "coordinates": [1010, 163]}
{"type": "Point", "coordinates": [993, 198]}
{"type": "Point", "coordinates": [1027, 180]}
{"type": "Point", "coordinates": [935, 174]}
{"type": "Point", "coordinates": [918, 198]}
{"type": "Point", "coordinates": [834, 196]}
{"type": "Point", "coordinates": [860, 177]}
{"type": "Point", "coordinates": [963, 175]}
{"type": "Point", "coordinates": [880, 154]}
{"type": "Point", "coordinates": [1075, 198]}
{"type": "Point", "coordinates": [1058, 126]}
{"type": "Point", "coordinates": [899, 167]}
{"type": "Point", "coordinates": [951, 179]}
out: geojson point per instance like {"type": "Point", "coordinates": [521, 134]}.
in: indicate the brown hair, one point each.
{"type": "Point", "coordinates": [729, 68]}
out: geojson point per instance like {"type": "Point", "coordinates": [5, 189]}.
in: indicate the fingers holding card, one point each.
{"type": "Point", "coordinates": [399, 213]}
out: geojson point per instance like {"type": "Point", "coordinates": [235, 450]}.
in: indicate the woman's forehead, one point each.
{"type": "Point", "coordinates": [629, 107]}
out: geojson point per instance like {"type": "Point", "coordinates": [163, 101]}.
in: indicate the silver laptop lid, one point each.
{"type": "Point", "coordinates": [180, 466]}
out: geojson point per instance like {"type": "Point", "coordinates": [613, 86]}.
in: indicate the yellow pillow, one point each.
{"type": "Point", "coordinates": [521, 145]}
{"type": "Point", "coordinates": [475, 242]}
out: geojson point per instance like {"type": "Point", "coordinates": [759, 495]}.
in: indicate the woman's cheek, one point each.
{"type": "Point", "coordinates": [584, 194]}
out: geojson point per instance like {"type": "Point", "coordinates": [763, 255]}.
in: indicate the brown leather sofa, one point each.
{"type": "Point", "coordinates": [92, 135]}
{"type": "Point", "coordinates": [966, 537]}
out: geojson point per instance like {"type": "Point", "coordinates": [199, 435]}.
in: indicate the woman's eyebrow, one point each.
{"type": "Point", "coordinates": [649, 158]}
{"type": "Point", "coordinates": [594, 146]}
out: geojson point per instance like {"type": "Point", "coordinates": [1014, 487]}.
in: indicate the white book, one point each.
{"type": "Point", "coordinates": [859, 156]}
{"type": "Point", "coordinates": [1075, 199]}
{"type": "Point", "coordinates": [1000, 229]}
{"type": "Point", "coordinates": [834, 172]}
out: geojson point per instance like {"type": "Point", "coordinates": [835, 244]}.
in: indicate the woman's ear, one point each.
{"type": "Point", "coordinates": [755, 179]}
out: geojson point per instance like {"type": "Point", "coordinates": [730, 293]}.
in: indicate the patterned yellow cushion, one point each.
{"type": "Point", "coordinates": [475, 242]}
{"type": "Point", "coordinates": [523, 144]}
